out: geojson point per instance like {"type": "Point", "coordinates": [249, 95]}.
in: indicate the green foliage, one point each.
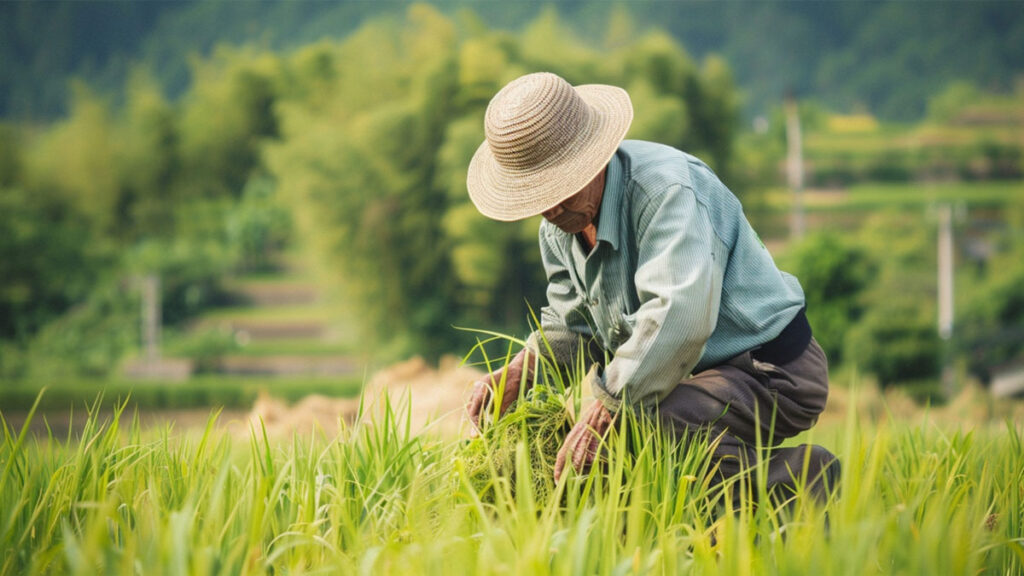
{"type": "Point", "coordinates": [945, 106]}
{"type": "Point", "coordinates": [897, 339]}
{"type": "Point", "coordinates": [898, 347]}
{"type": "Point", "coordinates": [226, 115]}
{"type": "Point", "coordinates": [870, 279]}
{"type": "Point", "coordinates": [377, 171]}
{"type": "Point", "coordinates": [114, 192]}
{"type": "Point", "coordinates": [128, 170]}
{"type": "Point", "coordinates": [148, 161]}
{"type": "Point", "coordinates": [46, 262]}
{"type": "Point", "coordinates": [834, 274]}
{"type": "Point", "coordinates": [90, 339]}
{"type": "Point", "coordinates": [969, 135]}
{"type": "Point", "coordinates": [259, 227]}
{"type": "Point", "coordinates": [840, 161]}
{"type": "Point", "coordinates": [77, 159]}
{"type": "Point", "coordinates": [42, 46]}
{"type": "Point", "coordinates": [990, 323]}
{"type": "Point", "coordinates": [205, 346]}
{"type": "Point", "coordinates": [379, 500]}
{"type": "Point", "coordinates": [882, 56]}
{"type": "Point", "coordinates": [190, 272]}
{"type": "Point", "coordinates": [202, 391]}
{"type": "Point", "coordinates": [363, 170]}
{"type": "Point", "coordinates": [11, 143]}
{"type": "Point", "coordinates": [496, 264]}
{"type": "Point", "coordinates": [849, 54]}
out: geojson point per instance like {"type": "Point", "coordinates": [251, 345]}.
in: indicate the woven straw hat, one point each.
{"type": "Point", "coordinates": [546, 140]}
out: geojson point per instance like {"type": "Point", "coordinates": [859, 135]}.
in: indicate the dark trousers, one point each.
{"type": "Point", "coordinates": [744, 400]}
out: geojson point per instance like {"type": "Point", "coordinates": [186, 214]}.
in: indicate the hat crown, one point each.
{"type": "Point", "coordinates": [534, 120]}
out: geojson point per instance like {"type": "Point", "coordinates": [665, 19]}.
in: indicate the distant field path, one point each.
{"type": "Point", "coordinates": [282, 325]}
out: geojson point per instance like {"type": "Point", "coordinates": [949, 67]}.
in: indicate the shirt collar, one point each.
{"type": "Point", "coordinates": [608, 221]}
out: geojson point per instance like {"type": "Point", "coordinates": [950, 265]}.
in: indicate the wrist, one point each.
{"type": "Point", "coordinates": [603, 396]}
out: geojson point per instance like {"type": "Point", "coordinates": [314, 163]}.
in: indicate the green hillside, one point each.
{"type": "Point", "coordinates": [889, 57]}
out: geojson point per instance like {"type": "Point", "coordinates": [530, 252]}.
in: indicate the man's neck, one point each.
{"type": "Point", "coordinates": [588, 236]}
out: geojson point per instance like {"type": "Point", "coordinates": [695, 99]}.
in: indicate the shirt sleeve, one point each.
{"type": "Point", "coordinates": [678, 285]}
{"type": "Point", "coordinates": [563, 326]}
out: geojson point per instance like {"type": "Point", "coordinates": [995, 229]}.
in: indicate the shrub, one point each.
{"type": "Point", "coordinates": [834, 274]}
{"type": "Point", "coordinates": [91, 338]}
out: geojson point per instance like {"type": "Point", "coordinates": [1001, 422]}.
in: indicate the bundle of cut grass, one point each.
{"type": "Point", "coordinates": [541, 421]}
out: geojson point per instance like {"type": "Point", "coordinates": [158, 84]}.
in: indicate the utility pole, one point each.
{"type": "Point", "coordinates": [151, 365]}
{"type": "Point", "coordinates": [151, 318]}
{"type": "Point", "coordinates": [945, 279]}
{"type": "Point", "coordinates": [795, 167]}
{"type": "Point", "coordinates": [945, 283]}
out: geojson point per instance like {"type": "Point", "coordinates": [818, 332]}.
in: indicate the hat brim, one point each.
{"type": "Point", "coordinates": [508, 195]}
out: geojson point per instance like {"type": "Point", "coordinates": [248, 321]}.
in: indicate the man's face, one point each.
{"type": "Point", "coordinates": [577, 211]}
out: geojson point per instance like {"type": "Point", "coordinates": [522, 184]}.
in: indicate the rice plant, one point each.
{"type": "Point", "coordinates": [375, 499]}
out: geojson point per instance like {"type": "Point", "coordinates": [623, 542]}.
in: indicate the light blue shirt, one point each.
{"type": "Point", "coordinates": [678, 281]}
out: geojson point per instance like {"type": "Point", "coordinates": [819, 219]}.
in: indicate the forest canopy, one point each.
{"type": "Point", "coordinates": [886, 57]}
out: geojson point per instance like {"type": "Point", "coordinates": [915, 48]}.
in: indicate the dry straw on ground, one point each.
{"type": "Point", "coordinates": [434, 398]}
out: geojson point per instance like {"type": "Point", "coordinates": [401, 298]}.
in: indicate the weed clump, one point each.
{"type": "Point", "coordinates": [541, 421]}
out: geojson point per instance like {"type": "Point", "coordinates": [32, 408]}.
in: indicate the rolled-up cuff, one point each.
{"type": "Point", "coordinates": [560, 347]}
{"type": "Point", "coordinates": [602, 394]}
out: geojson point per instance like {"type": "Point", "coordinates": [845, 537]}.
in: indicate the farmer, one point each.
{"type": "Point", "coordinates": [649, 256]}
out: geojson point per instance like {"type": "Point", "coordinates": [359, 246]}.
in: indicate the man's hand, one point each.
{"type": "Point", "coordinates": [484, 388]}
{"type": "Point", "coordinates": [580, 446]}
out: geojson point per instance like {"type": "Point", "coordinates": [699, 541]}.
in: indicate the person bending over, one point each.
{"type": "Point", "coordinates": [648, 254]}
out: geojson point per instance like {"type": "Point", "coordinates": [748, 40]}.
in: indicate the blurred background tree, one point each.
{"type": "Point", "coordinates": [897, 338]}
{"type": "Point", "coordinates": [381, 168]}
{"type": "Point", "coordinates": [992, 315]}
{"type": "Point", "coordinates": [835, 274]}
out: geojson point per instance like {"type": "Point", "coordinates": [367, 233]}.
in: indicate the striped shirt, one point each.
{"type": "Point", "coordinates": [677, 282]}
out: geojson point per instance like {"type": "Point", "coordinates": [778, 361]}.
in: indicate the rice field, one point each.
{"type": "Point", "coordinates": [981, 205]}
{"type": "Point", "coordinates": [375, 499]}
